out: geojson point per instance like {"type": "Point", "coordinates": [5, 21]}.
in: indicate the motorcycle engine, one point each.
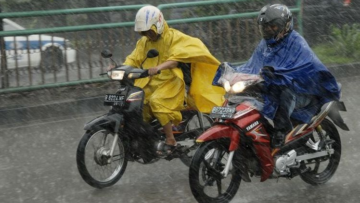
{"type": "Point", "coordinates": [284, 162]}
{"type": "Point", "coordinates": [135, 145]}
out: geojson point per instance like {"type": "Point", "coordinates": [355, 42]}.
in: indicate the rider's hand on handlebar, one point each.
{"type": "Point", "coordinates": [268, 72]}
{"type": "Point", "coordinates": [153, 71]}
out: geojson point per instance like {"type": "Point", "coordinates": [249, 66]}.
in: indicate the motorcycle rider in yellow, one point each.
{"type": "Point", "coordinates": [165, 92]}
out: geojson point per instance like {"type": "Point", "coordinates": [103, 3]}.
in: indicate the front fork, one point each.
{"type": "Point", "coordinates": [201, 120]}
{"type": "Point", "coordinates": [117, 120]}
{"type": "Point", "coordinates": [113, 145]}
{"type": "Point", "coordinates": [225, 172]}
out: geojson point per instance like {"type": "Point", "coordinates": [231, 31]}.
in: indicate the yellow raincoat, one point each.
{"type": "Point", "coordinates": [165, 92]}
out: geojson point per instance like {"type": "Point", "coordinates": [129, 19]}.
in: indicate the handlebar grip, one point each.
{"type": "Point", "coordinates": [146, 73]}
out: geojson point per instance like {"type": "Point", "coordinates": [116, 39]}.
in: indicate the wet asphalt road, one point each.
{"type": "Point", "coordinates": [37, 165]}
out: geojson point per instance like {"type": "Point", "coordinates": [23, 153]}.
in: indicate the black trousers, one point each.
{"type": "Point", "coordinates": [289, 100]}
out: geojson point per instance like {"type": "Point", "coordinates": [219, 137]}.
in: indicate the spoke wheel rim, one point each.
{"type": "Point", "coordinates": [97, 158]}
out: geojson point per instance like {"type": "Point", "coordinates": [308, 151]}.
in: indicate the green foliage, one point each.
{"type": "Point", "coordinates": [346, 40]}
{"type": "Point", "coordinates": [328, 55]}
{"type": "Point", "coordinates": [344, 45]}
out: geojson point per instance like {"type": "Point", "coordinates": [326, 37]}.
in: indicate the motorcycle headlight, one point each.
{"type": "Point", "coordinates": [238, 87]}
{"type": "Point", "coordinates": [227, 86]}
{"type": "Point", "coordinates": [235, 88]}
{"type": "Point", "coordinates": [117, 74]}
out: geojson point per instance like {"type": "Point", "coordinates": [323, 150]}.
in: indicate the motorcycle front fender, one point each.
{"type": "Point", "coordinates": [113, 120]}
{"type": "Point", "coordinates": [221, 131]}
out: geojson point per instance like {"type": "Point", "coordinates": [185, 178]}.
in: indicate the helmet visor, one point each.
{"type": "Point", "coordinates": [268, 30]}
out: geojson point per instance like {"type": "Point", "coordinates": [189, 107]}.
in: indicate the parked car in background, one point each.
{"type": "Point", "coordinates": [36, 50]}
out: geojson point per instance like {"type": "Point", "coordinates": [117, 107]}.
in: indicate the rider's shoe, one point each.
{"type": "Point", "coordinates": [278, 139]}
{"type": "Point", "coordinates": [166, 149]}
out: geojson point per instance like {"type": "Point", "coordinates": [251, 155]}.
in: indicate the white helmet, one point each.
{"type": "Point", "coordinates": [148, 16]}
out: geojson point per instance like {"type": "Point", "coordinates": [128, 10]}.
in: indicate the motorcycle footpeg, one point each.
{"type": "Point", "coordinates": [182, 149]}
{"type": "Point", "coordinates": [177, 152]}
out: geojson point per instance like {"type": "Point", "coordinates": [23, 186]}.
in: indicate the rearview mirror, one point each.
{"type": "Point", "coordinates": [106, 53]}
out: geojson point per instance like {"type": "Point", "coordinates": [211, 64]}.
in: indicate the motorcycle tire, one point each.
{"type": "Point", "coordinates": [193, 124]}
{"type": "Point", "coordinates": [204, 174]}
{"type": "Point", "coordinates": [313, 176]}
{"type": "Point", "coordinates": [93, 158]}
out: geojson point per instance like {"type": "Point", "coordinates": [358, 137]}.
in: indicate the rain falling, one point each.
{"type": "Point", "coordinates": [70, 133]}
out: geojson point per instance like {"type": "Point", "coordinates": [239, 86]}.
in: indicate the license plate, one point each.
{"type": "Point", "coordinates": [114, 100]}
{"type": "Point", "coordinates": [222, 112]}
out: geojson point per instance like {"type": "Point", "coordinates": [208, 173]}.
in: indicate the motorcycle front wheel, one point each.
{"type": "Point", "coordinates": [206, 181]}
{"type": "Point", "coordinates": [321, 169]}
{"type": "Point", "coordinates": [93, 159]}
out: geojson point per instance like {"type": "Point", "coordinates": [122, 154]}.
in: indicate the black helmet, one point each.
{"type": "Point", "coordinates": [273, 20]}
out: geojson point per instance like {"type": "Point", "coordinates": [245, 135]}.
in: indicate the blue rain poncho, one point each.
{"type": "Point", "coordinates": [296, 67]}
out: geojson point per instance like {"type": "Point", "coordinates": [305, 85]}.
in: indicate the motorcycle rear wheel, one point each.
{"type": "Point", "coordinates": [323, 168]}
{"type": "Point", "coordinates": [205, 183]}
{"type": "Point", "coordinates": [194, 125]}
{"type": "Point", "coordinates": [93, 160]}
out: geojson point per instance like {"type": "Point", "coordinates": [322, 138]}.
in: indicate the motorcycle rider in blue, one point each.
{"type": "Point", "coordinates": [296, 83]}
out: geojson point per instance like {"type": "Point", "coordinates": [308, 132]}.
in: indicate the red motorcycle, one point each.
{"type": "Point", "coordinates": [237, 146]}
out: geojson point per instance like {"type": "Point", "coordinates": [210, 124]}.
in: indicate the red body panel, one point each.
{"type": "Point", "coordinates": [221, 131]}
{"type": "Point", "coordinates": [298, 132]}
{"type": "Point", "coordinates": [261, 142]}
{"type": "Point", "coordinates": [245, 115]}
